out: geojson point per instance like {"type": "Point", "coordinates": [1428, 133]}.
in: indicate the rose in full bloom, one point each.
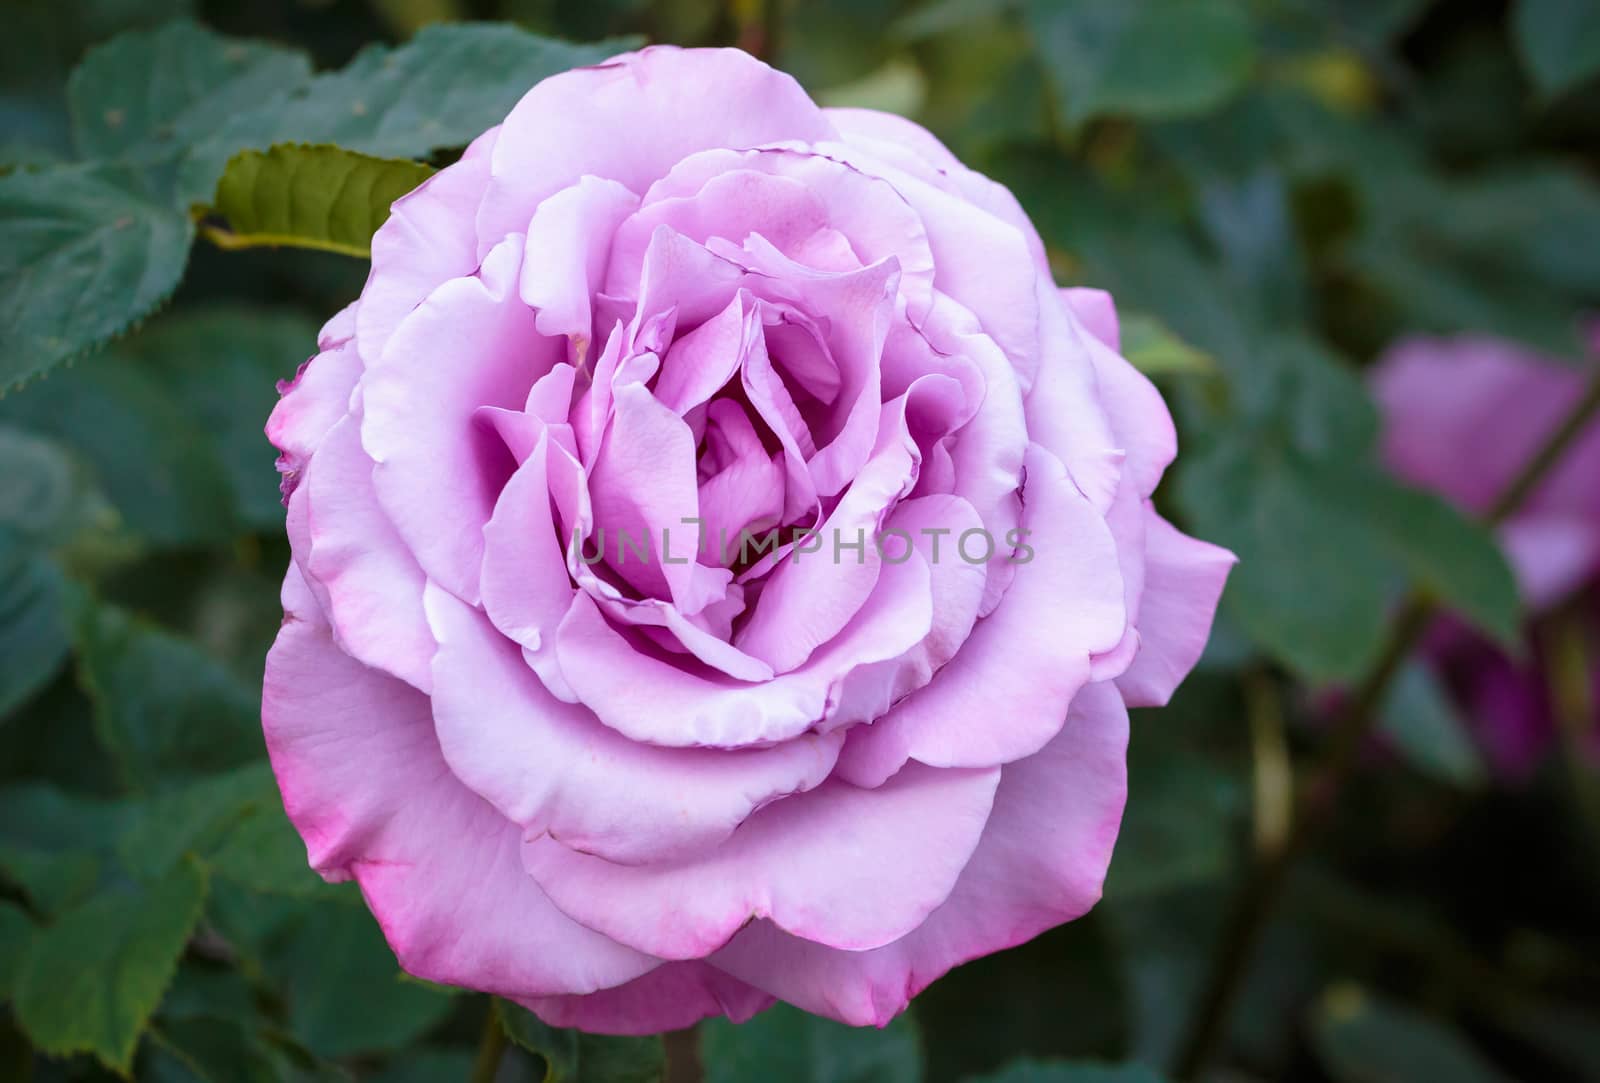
{"type": "Point", "coordinates": [1463, 417]}
{"type": "Point", "coordinates": [575, 750]}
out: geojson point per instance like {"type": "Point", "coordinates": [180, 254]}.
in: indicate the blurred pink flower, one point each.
{"type": "Point", "coordinates": [1462, 417]}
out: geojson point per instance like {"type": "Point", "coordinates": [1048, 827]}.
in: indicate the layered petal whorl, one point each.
{"type": "Point", "coordinates": [722, 561]}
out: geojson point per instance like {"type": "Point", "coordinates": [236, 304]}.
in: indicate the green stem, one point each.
{"type": "Point", "coordinates": [1258, 899]}
{"type": "Point", "coordinates": [491, 1047]}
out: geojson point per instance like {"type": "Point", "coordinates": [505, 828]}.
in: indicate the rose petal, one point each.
{"type": "Point", "coordinates": [365, 785]}
{"type": "Point", "coordinates": [373, 584]}
{"type": "Point", "coordinates": [841, 866]}
{"type": "Point", "coordinates": [570, 234]}
{"type": "Point", "coordinates": [471, 344]}
{"type": "Point", "coordinates": [427, 240]}
{"type": "Point", "coordinates": [1041, 862]}
{"type": "Point", "coordinates": [555, 769]}
{"type": "Point", "coordinates": [1071, 586]}
{"type": "Point", "coordinates": [670, 997]}
{"type": "Point", "coordinates": [1183, 582]}
{"type": "Point", "coordinates": [657, 106]}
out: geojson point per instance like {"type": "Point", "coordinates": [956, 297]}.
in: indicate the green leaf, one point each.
{"type": "Point", "coordinates": [164, 710]}
{"type": "Point", "coordinates": [92, 979]}
{"type": "Point", "coordinates": [1363, 1039]}
{"type": "Point", "coordinates": [1179, 826]}
{"type": "Point", "coordinates": [320, 197]}
{"type": "Point", "coordinates": [147, 96]}
{"type": "Point", "coordinates": [1027, 1070]}
{"type": "Point", "coordinates": [33, 630]}
{"type": "Point", "coordinates": [1443, 551]}
{"type": "Point", "coordinates": [1499, 253]}
{"type": "Point", "coordinates": [1422, 725]}
{"type": "Point", "coordinates": [787, 1045]}
{"type": "Point", "coordinates": [203, 990]}
{"type": "Point", "coordinates": [571, 1056]}
{"type": "Point", "coordinates": [52, 843]}
{"type": "Point", "coordinates": [1314, 582]}
{"type": "Point", "coordinates": [16, 934]}
{"type": "Point", "coordinates": [343, 986]}
{"type": "Point", "coordinates": [982, 1013]}
{"type": "Point", "coordinates": [149, 455]}
{"type": "Point", "coordinates": [211, 1051]}
{"type": "Point", "coordinates": [42, 491]}
{"type": "Point", "coordinates": [443, 88]}
{"type": "Point", "coordinates": [194, 819]}
{"type": "Point", "coordinates": [1448, 554]}
{"type": "Point", "coordinates": [82, 258]}
{"type": "Point", "coordinates": [1156, 351]}
{"type": "Point", "coordinates": [223, 363]}
{"type": "Point", "coordinates": [427, 1066]}
{"type": "Point", "coordinates": [1560, 40]}
{"type": "Point", "coordinates": [1148, 58]}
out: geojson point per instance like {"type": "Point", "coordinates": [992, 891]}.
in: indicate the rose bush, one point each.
{"type": "Point", "coordinates": [669, 298]}
{"type": "Point", "coordinates": [1462, 417]}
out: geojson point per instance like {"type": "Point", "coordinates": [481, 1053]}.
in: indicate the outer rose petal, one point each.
{"type": "Point", "coordinates": [1063, 605]}
{"type": "Point", "coordinates": [439, 469]}
{"type": "Point", "coordinates": [555, 769]}
{"type": "Point", "coordinates": [656, 107]}
{"type": "Point", "coordinates": [842, 866]}
{"type": "Point", "coordinates": [373, 584]}
{"type": "Point", "coordinates": [1097, 312]}
{"type": "Point", "coordinates": [670, 997]}
{"type": "Point", "coordinates": [364, 783]}
{"type": "Point", "coordinates": [427, 240]}
{"type": "Point", "coordinates": [907, 145]}
{"type": "Point", "coordinates": [317, 397]}
{"type": "Point", "coordinates": [1183, 582]}
{"type": "Point", "coordinates": [1041, 862]}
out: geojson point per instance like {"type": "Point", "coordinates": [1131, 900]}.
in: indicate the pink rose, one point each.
{"type": "Point", "coordinates": [670, 301]}
{"type": "Point", "coordinates": [1462, 417]}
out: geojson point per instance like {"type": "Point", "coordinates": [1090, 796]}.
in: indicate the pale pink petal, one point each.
{"type": "Point", "coordinates": [1552, 554]}
{"type": "Point", "coordinates": [632, 118]}
{"type": "Point", "coordinates": [810, 597]}
{"type": "Point", "coordinates": [794, 198]}
{"type": "Point", "coordinates": [699, 363]}
{"type": "Point", "coordinates": [1041, 862]}
{"type": "Point", "coordinates": [373, 584]}
{"type": "Point", "coordinates": [1065, 411]}
{"type": "Point", "coordinates": [570, 239]}
{"type": "Point", "coordinates": [664, 703]}
{"type": "Point", "coordinates": [670, 997]}
{"type": "Point", "coordinates": [939, 530]}
{"type": "Point", "coordinates": [911, 148]}
{"type": "Point", "coordinates": [427, 240]}
{"type": "Point", "coordinates": [525, 585]}
{"type": "Point", "coordinates": [317, 397]}
{"type": "Point", "coordinates": [1096, 310]}
{"type": "Point", "coordinates": [642, 485]}
{"type": "Point", "coordinates": [1139, 420]}
{"type": "Point", "coordinates": [363, 781]}
{"type": "Point", "coordinates": [555, 769]}
{"type": "Point", "coordinates": [1183, 581]}
{"type": "Point", "coordinates": [1071, 586]}
{"type": "Point", "coordinates": [842, 866]}
{"type": "Point", "coordinates": [471, 344]}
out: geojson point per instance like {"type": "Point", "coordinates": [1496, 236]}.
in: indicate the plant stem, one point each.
{"type": "Point", "coordinates": [1256, 902]}
{"type": "Point", "coordinates": [491, 1047]}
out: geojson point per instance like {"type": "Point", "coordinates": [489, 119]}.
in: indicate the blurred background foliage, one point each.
{"type": "Point", "coordinates": [1274, 190]}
